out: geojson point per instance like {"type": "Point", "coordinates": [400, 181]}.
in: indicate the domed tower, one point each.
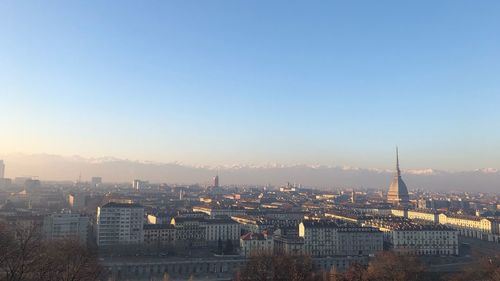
{"type": "Point", "coordinates": [398, 192]}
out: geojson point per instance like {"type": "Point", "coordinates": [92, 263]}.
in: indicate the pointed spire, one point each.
{"type": "Point", "coordinates": [397, 162]}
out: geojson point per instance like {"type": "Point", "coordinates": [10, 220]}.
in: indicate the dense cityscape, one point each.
{"type": "Point", "coordinates": [151, 231]}
{"type": "Point", "coordinates": [233, 140]}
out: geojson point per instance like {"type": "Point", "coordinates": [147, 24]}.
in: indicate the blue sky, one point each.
{"type": "Point", "coordinates": [223, 82]}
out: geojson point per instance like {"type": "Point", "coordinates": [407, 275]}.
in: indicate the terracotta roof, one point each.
{"type": "Point", "coordinates": [253, 236]}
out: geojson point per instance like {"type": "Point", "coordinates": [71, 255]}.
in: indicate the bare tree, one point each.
{"type": "Point", "coordinates": [25, 257]}
{"type": "Point", "coordinates": [391, 266]}
{"type": "Point", "coordinates": [355, 272]}
{"type": "Point", "coordinates": [266, 266]}
{"type": "Point", "coordinates": [487, 268]}
{"type": "Point", "coordinates": [68, 260]}
{"type": "Point", "coordinates": [20, 251]}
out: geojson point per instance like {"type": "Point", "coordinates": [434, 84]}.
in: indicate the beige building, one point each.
{"type": "Point", "coordinates": [218, 212]}
{"type": "Point", "coordinates": [343, 215]}
{"type": "Point", "coordinates": [399, 212]}
{"type": "Point", "coordinates": [249, 223]}
{"type": "Point", "coordinates": [198, 231]}
{"type": "Point", "coordinates": [158, 218]}
{"type": "Point", "coordinates": [328, 238]}
{"type": "Point", "coordinates": [474, 227]}
{"type": "Point", "coordinates": [423, 214]}
{"type": "Point", "coordinates": [408, 237]}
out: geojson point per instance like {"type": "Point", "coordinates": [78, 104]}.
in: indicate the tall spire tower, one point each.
{"type": "Point", "coordinates": [216, 180]}
{"type": "Point", "coordinates": [398, 192]}
{"type": "Point", "coordinates": [397, 162]}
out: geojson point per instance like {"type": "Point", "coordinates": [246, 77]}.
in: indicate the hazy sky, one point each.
{"type": "Point", "coordinates": [221, 82]}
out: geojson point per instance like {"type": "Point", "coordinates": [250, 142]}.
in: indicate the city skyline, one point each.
{"type": "Point", "coordinates": [208, 84]}
{"type": "Point", "coordinates": [114, 170]}
{"type": "Point", "coordinates": [249, 140]}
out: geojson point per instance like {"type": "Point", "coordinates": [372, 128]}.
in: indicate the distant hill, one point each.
{"type": "Point", "coordinates": [54, 167]}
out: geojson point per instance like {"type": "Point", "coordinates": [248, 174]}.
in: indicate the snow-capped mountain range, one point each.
{"type": "Point", "coordinates": [112, 169]}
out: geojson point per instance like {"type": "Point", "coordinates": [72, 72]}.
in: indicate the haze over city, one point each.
{"type": "Point", "coordinates": [217, 140]}
{"type": "Point", "coordinates": [237, 83]}
{"type": "Point", "coordinates": [54, 167]}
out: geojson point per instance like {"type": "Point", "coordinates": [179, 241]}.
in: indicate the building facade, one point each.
{"type": "Point", "coordinates": [425, 240]}
{"type": "Point", "coordinates": [359, 241]}
{"type": "Point", "coordinates": [222, 229]}
{"type": "Point", "coordinates": [328, 238]}
{"type": "Point", "coordinates": [475, 227]}
{"type": "Point", "coordinates": [320, 238]}
{"type": "Point", "coordinates": [199, 231]}
{"type": "Point", "coordinates": [288, 242]}
{"type": "Point", "coordinates": [214, 212]}
{"type": "Point", "coordinates": [66, 226]}
{"type": "Point", "coordinates": [422, 214]}
{"type": "Point", "coordinates": [255, 243]}
{"type": "Point", "coordinates": [159, 234]}
{"type": "Point", "coordinates": [120, 223]}
{"type": "Point", "coordinates": [407, 237]}
{"type": "Point", "coordinates": [190, 231]}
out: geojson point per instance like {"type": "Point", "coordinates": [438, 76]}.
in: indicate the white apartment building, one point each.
{"type": "Point", "coordinates": [255, 243]}
{"type": "Point", "coordinates": [320, 238]}
{"type": "Point", "coordinates": [425, 240]}
{"type": "Point", "coordinates": [201, 231]}
{"type": "Point", "coordinates": [222, 229]}
{"type": "Point", "coordinates": [354, 240]}
{"type": "Point", "coordinates": [120, 223]}
{"type": "Point", "coordinates": [328, 238]}
{"type": "Point", "coordinates": [66, 226]}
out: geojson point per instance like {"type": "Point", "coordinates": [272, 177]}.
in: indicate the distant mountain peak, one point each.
{"type": "Point", "coordinates": [488, 170]}
{"type": "Point", "coordinates": [113, 169]}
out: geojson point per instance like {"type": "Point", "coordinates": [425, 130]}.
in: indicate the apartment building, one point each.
{"type": "Point", "coordinates": [120, 223]}
{"type": "Point", "coordinates": [66, 226]}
